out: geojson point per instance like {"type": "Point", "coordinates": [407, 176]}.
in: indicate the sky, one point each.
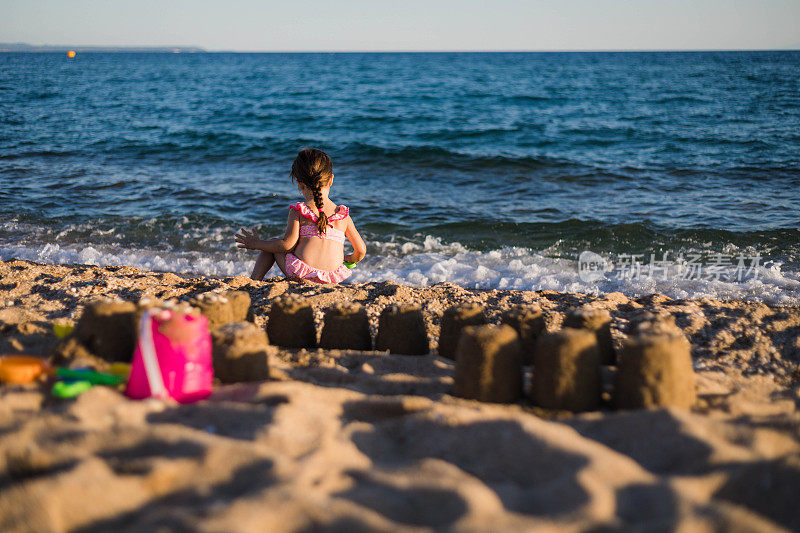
{"type": "Point", "coordinates": [355, 25]}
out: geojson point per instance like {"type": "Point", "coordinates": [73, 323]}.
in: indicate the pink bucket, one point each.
{"type": "Point", "coordinates": [172, 358]}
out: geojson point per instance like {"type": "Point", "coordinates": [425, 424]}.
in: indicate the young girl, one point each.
{"type": "Point", "coordinates": [312, 248]}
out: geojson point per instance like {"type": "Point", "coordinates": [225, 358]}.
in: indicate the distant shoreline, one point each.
{"type": "Point", "coordinates": [27, 48]}
{"type": "Point", "coordinates": [23, 47]}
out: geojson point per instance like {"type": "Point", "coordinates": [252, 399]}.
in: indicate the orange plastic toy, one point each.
{"type": "Point", "coordinates": [21, 369]}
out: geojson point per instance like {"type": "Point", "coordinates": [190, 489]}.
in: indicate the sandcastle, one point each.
{"type": "Point", "coordinates": [453, 321]}
{"type": "Point", "coordinates": [654, 365]}
{"type": "Point", "coordinates": [528, 321]}
{"type": "Point", "coordinates": [401, 330]}
{"type": "Point", "coordinates": [107, 328]}
{"type": "Point", "coordinates": [655, 369]}
{"type": "Point", "coordinates": [291, 322]}
{"type": "Point", "coordinates": [599, 322]}
{"type": "Point", "coordinates": [240, 352]}
{"type": "Point", "coordinates": [488, 364]}
{"type": "Point", "coordinates": [346, 327]}
{"type": "Point", "coordinates": [223, 307]}
{"type": "Point", "coordinates": [649, 320]}
{"type": "Point", "coordinates": [567, 370]}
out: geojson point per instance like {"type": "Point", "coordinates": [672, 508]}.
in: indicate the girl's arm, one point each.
{"type": "Point", "coordinates": [359, 248]}
{"type": "Point", "coordinates": [250, 240]}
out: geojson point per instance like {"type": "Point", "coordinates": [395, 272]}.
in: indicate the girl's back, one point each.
{"type": "Point", "coordinates": [324, 253]}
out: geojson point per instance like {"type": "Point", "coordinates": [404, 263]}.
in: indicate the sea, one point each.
{"type": "Point", "coordinates": [641, 172]}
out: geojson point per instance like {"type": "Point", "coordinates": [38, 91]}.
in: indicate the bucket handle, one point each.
{"type": "Point", "coordinates": [151, 367]}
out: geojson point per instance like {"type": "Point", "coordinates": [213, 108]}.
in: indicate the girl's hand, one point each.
{"type": "Point", "coordinates": [245, 239]}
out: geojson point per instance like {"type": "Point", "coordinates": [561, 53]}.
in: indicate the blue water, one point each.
{"type": "Point", "coordinates": [486, 169]}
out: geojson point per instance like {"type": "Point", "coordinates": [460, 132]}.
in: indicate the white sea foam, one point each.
{"type": "Point", "coordinates": [428, 260]}
{"type": "Point", "coordinates": [161, 261]}
{"type": "Point", "coordinates": [523, 269]}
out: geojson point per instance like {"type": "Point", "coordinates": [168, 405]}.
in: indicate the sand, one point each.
{"type": "Point", "coordinates": [353, 441]}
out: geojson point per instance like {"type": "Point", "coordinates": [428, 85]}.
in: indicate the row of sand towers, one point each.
{"type": "Point", "coordinates": [654, 367]}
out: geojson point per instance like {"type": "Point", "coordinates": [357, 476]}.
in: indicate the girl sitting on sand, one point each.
{"type": "Point", "coordinates": [312, 248]}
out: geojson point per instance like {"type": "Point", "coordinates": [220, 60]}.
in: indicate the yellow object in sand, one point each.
{"type": "Point", "coordinates": [120, 369]}
{"type": "Point", "coordinates": [71, 54]}
{"type": "Point", "coordinates": [62, 330]}
{"type": "Point", "coordinates": [21, 369]}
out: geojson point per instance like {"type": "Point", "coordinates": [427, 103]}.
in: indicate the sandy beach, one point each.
{"type": "Point", "coordinates": [350, 441]}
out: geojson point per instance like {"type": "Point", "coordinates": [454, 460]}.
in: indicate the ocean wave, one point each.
{"type": "Point", "coordinates": [534, 98]}
{"type": "Point", "coordinates": [38, 154]}
{"type": "Point", "coordinates": [559, 238]}
{"type": "Point", "coordinates": [523, 269]}
{"type": "Point", "coordinates": [432, 261]}
{"type": "Point", "coordinates": [450, 134]}
{"type": "Point", "coordinates": [183, 262]}
{"type": "Point", "coordinates": [681, 99]}
{"type": "Point", "coordinates": [438, 157]}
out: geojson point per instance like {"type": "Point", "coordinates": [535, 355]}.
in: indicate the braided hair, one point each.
{"type": "Point", "coordinates": [313, 168]}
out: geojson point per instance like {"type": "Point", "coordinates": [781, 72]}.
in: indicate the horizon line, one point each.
{"type": "Point", "coordinates": [200, 50]}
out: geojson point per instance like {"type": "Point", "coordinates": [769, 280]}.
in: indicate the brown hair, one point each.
{"type": "Point", "coordinates": [313, 168]}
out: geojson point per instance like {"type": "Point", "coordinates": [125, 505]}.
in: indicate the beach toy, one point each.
{"type": "Point", "coordinates": [120, 369]}
{"type": "Point", "coordinates": [20, 369]}
{"type": "Point", "coordinates": [71, 54]}
{"type": "Point", "coordinates": [75, 381]}
{"type": "Point", "coordinates": [66, 390]}
{"type": "Point", "coordinates": [85, 374]}
{"type": "Point", "coordinates": [172, 358]}
{"type": "Point", "coordinates": [62, 330]}
{"type": "Point", "coordinates": [348, 264]}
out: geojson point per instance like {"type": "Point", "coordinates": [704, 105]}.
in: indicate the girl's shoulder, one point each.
{"type": "Point", "coordinates": [342, 212]}
{"type": "Point", "coordinates": [302, 209]}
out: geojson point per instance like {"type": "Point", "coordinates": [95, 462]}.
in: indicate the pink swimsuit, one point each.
{"type": "Point", "coordinates": [296, 268]}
